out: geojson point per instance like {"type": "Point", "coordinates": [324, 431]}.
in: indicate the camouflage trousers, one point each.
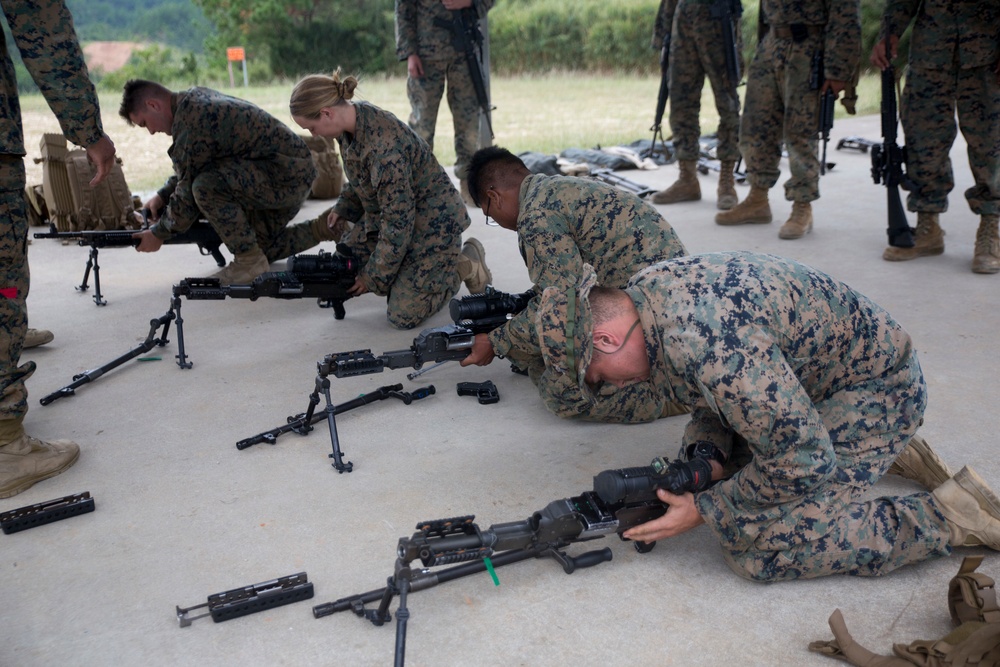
{"type": "Point", "coordinates": [828, 529]}
{"type": "Point", "coordinates": [781, 106]}
{"type": "Point", "coordinates": [697, 51]}
{"type": "Point", "coordinates": [249, 203]}
{"type": "Point", "coordinates": [424, 283]}
{"type": "Point", "coordinates": [425, 96]}
{"type": "Point", "coordinates": [13, 288]}
{"type": "Point", "coordinates": [930, 100]}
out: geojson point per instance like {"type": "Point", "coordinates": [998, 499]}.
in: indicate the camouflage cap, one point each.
{"type": "Point", "coordinates": [564, 325]}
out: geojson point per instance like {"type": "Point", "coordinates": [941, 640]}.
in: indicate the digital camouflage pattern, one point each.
{"type": "Point", "coordinates": [563, 223]}
{"type": "Point", "coordinates": [953, 50]}
{"type": "Point", "coordinates": [822, 385]}
{"type": "Point", "coordinates": [409, 217]}
{"type": "Point", "coordinates": [697, 51]}
{"type": "Point", "coordinates": [43, 32]}
{"type": "Point", "coordinates": [240, 168]}
{"type": "Point", "coordinates": [423, 28]}
{"type": "Point", "coordinates": [780, 104]}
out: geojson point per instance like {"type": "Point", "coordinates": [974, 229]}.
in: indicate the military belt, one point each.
{"type": "Point", "coordinates": [797, 32]}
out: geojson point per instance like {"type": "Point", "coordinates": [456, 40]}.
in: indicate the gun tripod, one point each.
{"type": "Point", "coordinates": [303, 422]}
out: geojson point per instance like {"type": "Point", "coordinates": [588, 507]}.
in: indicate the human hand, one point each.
{"type": "Point", "coordinates": [414, 67]}
{"type": "Point", "coordinates": [147, 241]}
{"type": "Point", "coordinates": [358, 288]}
{"type": "Point", "coordinates": [102, 156]}
{"type": "Point", "coordinates": [155, 206]}
{"type": "Point", "coordinates": [682, 515]}
{"type": "Point", "coordinates": [481, 353]}
{"type": "Point", "coordinates": [834, 85]}
{"type": "Point", "coordinates": [878, 57]}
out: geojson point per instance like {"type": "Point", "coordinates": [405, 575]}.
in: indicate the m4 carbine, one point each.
{"type": "Point", "coordinates": [621, 499]}
{"type": "Point", "coordinates": [200, 233]}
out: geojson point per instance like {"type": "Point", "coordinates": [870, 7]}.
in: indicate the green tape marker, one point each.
{"type": "Point", "coordinates": [149, 359]}
{"type": "Point", "coordinates": [493, 573]}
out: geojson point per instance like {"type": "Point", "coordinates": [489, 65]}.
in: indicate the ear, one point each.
{"type": "Point", "coordinates": [606, 340]}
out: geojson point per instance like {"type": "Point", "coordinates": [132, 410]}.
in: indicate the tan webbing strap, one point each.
{"type": "Point", "coordinates": [972, 644]}
{"type": "Point", "coordinates": [971, 594]}
{"type": "Point", "coordinates": [845, 648]}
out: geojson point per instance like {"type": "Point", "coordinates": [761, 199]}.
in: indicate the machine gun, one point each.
{"type": "Point", "coordinates": [200, 233]}
{"type": "Point", "coordinates": [326, 277]}
{"type": "Point", "coordinates": [888, 159]}
{"type": "Point", "coordinates": [728, 14]}
{"type": "Point", "coordinates": [477, 313]}
{"type": "Point", "coordinates": [621, 499]}
{"type": "Point", "coordinates": [627, 184]}
{"type": "Point", "coordinates": [826, 103]}
{"type": "Point", "coordinates": [467, 38]}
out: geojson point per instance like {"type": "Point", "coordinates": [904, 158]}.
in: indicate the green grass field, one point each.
{"type": "Point", "coordinates": [546, 114]}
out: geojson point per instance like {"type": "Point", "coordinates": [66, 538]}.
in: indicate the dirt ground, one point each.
{"type": "Point", "coordinates": [108, 56]}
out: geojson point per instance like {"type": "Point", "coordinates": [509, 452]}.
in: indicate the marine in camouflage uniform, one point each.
{"type": "Point", "coordinates": [954, 65]}
{"type": "Point", "coordinates": [822, 384]}
{"type": "Point", "coordinates": [782, 102]}
{"type": "Point", "coordinates": [697, 50]}
{"type": "Point", "coordinates": [408, 216]}
{"type": "Point", "coordinates": [563, 223]}
{"type": "Point", "coordinates": [44, 34]}
{"type": "Point", "coordinates": [242, 169]}
{"type": "Point", "coordinates": [424, 31]}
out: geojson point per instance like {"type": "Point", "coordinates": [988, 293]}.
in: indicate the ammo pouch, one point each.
{"type": "Point", "coordinates": [330, 179]}
{"type": "Point", "coordinates": [73, 205]}
{"type": "Point", "coordinates": [975, 641]}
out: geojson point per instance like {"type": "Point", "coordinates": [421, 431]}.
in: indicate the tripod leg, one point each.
{"type": "Point", "coordinates": [336, 455]}
{"type": "Point", "coordinates": [402, 616]}
{"type": "Point", "coordinates": [175, 306]}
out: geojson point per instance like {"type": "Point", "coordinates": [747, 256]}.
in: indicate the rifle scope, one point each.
{"type": "Point", "coordinates": [490, 303]}
{"type": "Point", "coordinates": [324, 263]}
{"type": "Point", "coordinates": [627, 485]}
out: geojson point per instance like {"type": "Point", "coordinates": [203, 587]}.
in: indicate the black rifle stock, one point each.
{"type": "Point", "coordinates": [887, 163]}
{"type": "Point", "coordinates": [728, 13]}
{"type": "Point", "coordinates": [200, 233]}
{"type": "Point", "coordinates": [621, 499]}
{"type": "Point", "coordinates": [467, 39]}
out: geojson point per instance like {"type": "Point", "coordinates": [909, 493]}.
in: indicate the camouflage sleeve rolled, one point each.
{"type": "Point", "coordinates": [842, 43]}
{"type": "Point", "coordinates": [407, 40]}
{"type": "Point", "coordinates": [44, 34]}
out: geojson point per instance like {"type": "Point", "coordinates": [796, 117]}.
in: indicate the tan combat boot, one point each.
{"type": "Point", "coordinates": [25, 460]}
{"type": "Point", "coordinates": [36, 337]}
{"type": "Point", "coordinates": [971, 509]}
{"type": "Point", "coordinates": [685, 188]}
{"type": "Point", "coordinates": [920, 463]}
{"type": "Point", "coordinates": [472, 267]}
{"type": "Point", "coordinates": [324, 232]}
{"type": "Point", "coordinates": [244, 268]}
{"type": "Point", "coordinates": [799, 223]}
{"type": "Point", "coordinates": [463, 189]}
{"type": "Point", "coordinates": [986, 258]}
{"type": "Point", "coordinates": [726, 192]}
{"type": "Point", "coordinates": [929, 241]}
{"type": "Point", "coordinates": [753, 210]}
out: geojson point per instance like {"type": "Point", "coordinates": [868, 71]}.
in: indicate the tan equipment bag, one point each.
{"type": "Point", "coordinates": [975, 641]}
{"type": "Point", "coordinates": [38, 212]}
{"type": "Point", "coordinates": [72, 203]}
{"type": "Point", "coordinates": [326, 157]}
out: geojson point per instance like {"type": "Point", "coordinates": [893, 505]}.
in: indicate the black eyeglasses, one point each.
{"type": "Point", "coordinates": [489, 221]}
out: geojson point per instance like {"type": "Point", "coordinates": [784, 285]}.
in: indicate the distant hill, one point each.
{"type": "Point", "coordinates": [177, 23]}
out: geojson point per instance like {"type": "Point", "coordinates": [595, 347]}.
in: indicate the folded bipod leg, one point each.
{"type": "Point", "coordinates": [151, 341]}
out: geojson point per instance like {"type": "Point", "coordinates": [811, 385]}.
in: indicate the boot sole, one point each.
{"type": "Point", "coordinates": [29, 482]}
{"type": "Point", "coordinates": [969, 480]}
{"type": "Point", "coordinates": [929, 253]}
{"type": "Point", "coordinates": [481, 251]}
{"type": "Point", "coordinates": [749, 221]}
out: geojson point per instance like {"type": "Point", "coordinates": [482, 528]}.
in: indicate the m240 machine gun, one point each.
{"type": "Point", "coordinates": [477, 313]}
{"type": "Point", "coordinates": [621, 499]}
{"type": "Point", "coordinates": [200, 233]}
{"type": "Point", "coordinates": [325, 277]}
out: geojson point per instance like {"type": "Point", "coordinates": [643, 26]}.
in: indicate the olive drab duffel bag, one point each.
{"type": "Point", "coordinates": [975, 641]}
{"type": "Point", "coordinates": [73, 205]}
